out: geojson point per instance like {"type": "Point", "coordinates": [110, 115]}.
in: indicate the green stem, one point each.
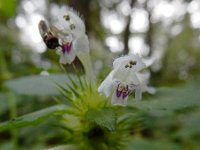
{"type": "Point", "coordinates": [13, 114]}
{"type": "Point", "coordinates": [4, 74]}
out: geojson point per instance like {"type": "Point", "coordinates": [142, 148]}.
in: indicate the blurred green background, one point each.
{"type": "Point", "coordinates": [167, 30]}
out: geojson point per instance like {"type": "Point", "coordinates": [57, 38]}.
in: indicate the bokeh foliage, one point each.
{"type": "Point", "coordinates": [167, 120]}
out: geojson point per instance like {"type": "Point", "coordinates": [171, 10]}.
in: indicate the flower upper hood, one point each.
{"type": "Point", "coordinates": [69, 21]}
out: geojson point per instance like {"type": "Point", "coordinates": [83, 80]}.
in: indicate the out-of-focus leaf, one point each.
{"type": "Point", "coordinates": [3, 103]}
{"type": "Point", "coordinates": [64, 147]}
{"type": "Point", "coordinates": [168, 100]}
{"type": "Point", "coordinates": [8, 7]}
{"type": "Point", "coordinates": [143, 144]}
{"type": "Point", "coordinates": [190, 125]}
{"type": "Point", "coordinates": [38, 84]}
{"type": "Point", "coordinates": [105, 117]}
{"type": "Point", "coordinates": [32, 118]}
{"type": "Point", "coordinates": [6, 146]}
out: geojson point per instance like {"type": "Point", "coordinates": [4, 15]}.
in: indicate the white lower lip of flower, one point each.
{"type": "Point", "coordinates": [67, 47]}
{"type": "Point", "coordinates": [121, 92]}
{"type": "Point", "coordinates": [66, 57]}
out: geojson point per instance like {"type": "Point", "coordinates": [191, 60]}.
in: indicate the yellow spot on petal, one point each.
{"type": "Point", "coordinates": [66, 17]}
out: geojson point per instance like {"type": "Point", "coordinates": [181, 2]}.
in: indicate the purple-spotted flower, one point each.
{"type": "Point", "coordinates": [125, 78]}
{"type": "Point", "coordinates": [66, 34]}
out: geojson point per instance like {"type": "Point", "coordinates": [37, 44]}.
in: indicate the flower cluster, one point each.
{"type": "Point", "coordinates": [66, 35]}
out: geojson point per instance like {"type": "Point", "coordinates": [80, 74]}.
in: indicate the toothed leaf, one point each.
{"type": "Point", "coordinates": [32, 118]}
{"type": "Point", "coordinates": [104, 117]}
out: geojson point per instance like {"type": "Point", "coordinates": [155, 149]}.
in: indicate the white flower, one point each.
{"type": "Point", "coordinates": [70, 48]}
{"type": "Point", "coordinates": [68, 34]}
{"type": "Point", "coordinates": [143, 77]}
{"type": "Point", "coordinates": [125, 78]}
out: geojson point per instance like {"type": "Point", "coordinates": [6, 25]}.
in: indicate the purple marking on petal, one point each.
{"type": "Point", "coordinates": [125, 94]}
{"type": "Point", "coordinates": [67, 47]}
{"type": "Point", "coordinates": [118, 93]}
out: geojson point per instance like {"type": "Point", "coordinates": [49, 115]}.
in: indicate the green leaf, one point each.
{"type": "Point", "coordinates": [6, 145]}
{"type": "Point", "coordinates": [144, 144]}
{"type": "Point", "coordinates": [105, 117]}
{"type": "Point", "coordinates": [190, 125]}
{"type": "Point", "coordinates": [168, 100]}
{"type": "Point", "coordinates": [65, 147]}
{"type": "Point", "coordinates": [38, 84]}
{"type": "Point", "coordinates": [3, 103]}
{"type": "Point", "coordinates": [8, 7]}
{"type": "Point", "coordinates": [32, 118]}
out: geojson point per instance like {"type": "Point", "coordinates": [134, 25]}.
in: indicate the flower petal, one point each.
{"type": "Point", "coordinates": [61, 23]}
{"type": "Point", "coordinates": [62, 59]}
{"type": "Point", "coordinates": [122, 61]}
{"type": "Point", "coordinates": [148, 62]}
{"type": "Point", "coordinates": [66, 57]}
{"type": "Point", "coordinates": [118, 100]}
{"type": "Point", "coordinates": [106, 85]}
{"type": "Point", "coordinates": [81, 44]}
{"type": "Point", "coordinates": [132, 78]}
{"type": "Point", "coordinates": [124, 75]}
{"type": "Point", "coordinates": [140, 64]}
{"type": "Point", "coordinates": [76, 20]}
{"type": "Point", "coordinates": [150, 89]}
{"type": "Point", "coordinates": [70, 56]}
{"type": "Point", "coordinates": [143, 76]}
